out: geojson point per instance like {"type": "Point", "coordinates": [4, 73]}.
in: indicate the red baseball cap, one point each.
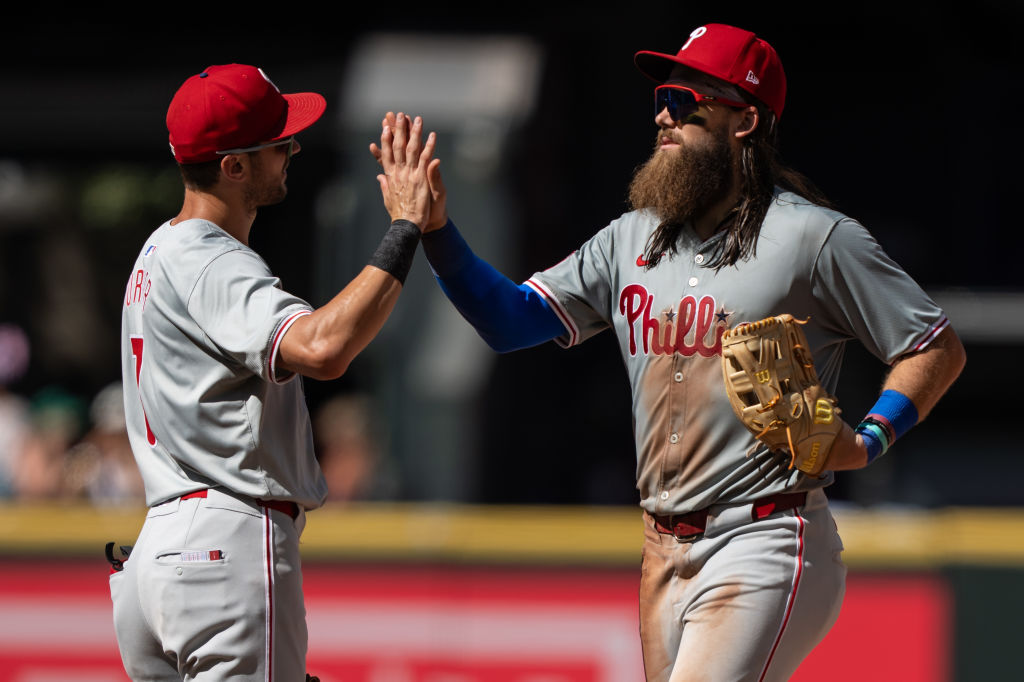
{"type": "Point", "coordinates": [730, 54]}
{"type": "Point", "coordinates": [234, 106]}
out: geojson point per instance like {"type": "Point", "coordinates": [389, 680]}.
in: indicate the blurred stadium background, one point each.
{"type": "Point", "coordinates": [483, 521]}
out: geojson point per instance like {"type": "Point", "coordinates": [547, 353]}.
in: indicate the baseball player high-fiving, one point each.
{"type": "Point", "coordinates": [211, 346]}
{"type": "Point", "coordinates": [742, 574]}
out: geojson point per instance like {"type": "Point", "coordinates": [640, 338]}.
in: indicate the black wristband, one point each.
{"type": "Point", "coordinates": [397, 249]}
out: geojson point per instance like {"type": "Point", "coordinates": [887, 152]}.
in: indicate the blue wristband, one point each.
{"type": "Point", "coordinates": [897, 409]}
{"type": "Point", "coordinates": [891, 417]}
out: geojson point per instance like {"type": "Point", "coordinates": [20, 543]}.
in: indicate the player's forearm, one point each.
{"type": "Point", "coordinates": [323, 344]}
{"type": "Point", "coordinates": [505, 315]}
{"type": "Point", "coordinates": [921, 378]}
{"type": "Point", "coordinates": [925, 376]}
{"type": "Point", "coordinates": [848, 451]}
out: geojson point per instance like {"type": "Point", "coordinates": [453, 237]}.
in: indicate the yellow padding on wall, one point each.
{"type": "Point", "coordinates": [534, 535]}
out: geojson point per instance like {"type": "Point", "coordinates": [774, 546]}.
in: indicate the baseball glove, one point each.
{"type": "Point", "coordinates": [774, 390]}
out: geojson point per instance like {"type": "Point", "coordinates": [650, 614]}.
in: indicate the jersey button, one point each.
{"type": "Point", "coordinates": [678, 376]}
{"type": "Point", "coordinates": [674, 438]}
{"type": "Point", "coordinates": [664, 495]}
{"type": "Point", "coordinates": [699, 258]}
{"type": "Point", "coordinates": [692, 282]}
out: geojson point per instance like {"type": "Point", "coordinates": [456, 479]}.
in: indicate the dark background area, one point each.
{"type": "Point", "coordinates": [904, 115]}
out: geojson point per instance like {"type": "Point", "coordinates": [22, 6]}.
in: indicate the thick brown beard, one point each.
{"type": "Point", "coordinates": [677, 185]}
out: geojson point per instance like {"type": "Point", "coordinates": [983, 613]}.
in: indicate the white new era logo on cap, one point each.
{"type": "Point", "coordinates": [752, 78]}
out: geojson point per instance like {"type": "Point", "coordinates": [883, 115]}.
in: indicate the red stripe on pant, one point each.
{"type": "Point", "coordinates": [792, 596]}
{"type": "Point", "coordinates": [268, 552]}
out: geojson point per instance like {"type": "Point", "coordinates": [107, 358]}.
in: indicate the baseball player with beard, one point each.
{"type": "Point", "coordinates": [211, 349]}
{"type": "Point", "coordinates": [742, 574]}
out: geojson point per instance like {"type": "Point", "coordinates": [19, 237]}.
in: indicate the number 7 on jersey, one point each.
{"type": "Point", "coordinates": [137, 346]}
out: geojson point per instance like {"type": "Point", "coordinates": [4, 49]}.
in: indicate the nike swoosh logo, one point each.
{"type": "Point", "coordinates": [640, 262]}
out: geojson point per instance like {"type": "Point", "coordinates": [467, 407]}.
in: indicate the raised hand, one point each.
{"type": "Point", "coordinates": [438, 215]}
{"type": "Point", "coordinates": [405, 162]}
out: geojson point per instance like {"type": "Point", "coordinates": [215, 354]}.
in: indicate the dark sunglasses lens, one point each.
{"type": "Point", "coordinates": [680, 103]}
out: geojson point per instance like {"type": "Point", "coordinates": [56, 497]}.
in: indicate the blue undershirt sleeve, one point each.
{"type": "Point", "coordinates": [506, 315]}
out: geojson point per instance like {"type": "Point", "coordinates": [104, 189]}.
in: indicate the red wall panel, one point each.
{"type": "Point", "coordinates": [468, 624]}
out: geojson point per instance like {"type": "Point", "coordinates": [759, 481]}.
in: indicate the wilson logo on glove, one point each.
{"type": "Point", "coordinates": [823, 413]}
{"type": "Point", "coordinates": [774, 390]}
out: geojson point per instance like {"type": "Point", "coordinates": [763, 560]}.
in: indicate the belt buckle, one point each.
{"type": "Point", "coordinates": [688, 537]}
{"type": "Point", "coordinates": [669, 525]}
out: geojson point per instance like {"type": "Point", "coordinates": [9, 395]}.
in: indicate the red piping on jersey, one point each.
{"type": "Point", "coordinates": [792, 595]}
{"type": "Point", "coordinates": [271, 361]}
{"type": "Point", "coordinates": [268, 551]}
{"type": "Point", "coordinates": [562, 313]}
{"type": "Point", "coordinates": [928, 337]}
{"type": "Point", "coordinates": [939, 326]}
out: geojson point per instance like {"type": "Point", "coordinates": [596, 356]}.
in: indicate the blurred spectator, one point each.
{"type": "Point", "coordinates": [101, 467]}
{"type": "Point", "coordinates": [57, 419]}
{"type": "Point", "coordinates": [349, 450]}
{"type": "Point", "coordinates": [15, 421]}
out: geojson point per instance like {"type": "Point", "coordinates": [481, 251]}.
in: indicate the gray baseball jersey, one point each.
{"type": "Point", "coordinates": [813, 263]}
{"type": "Point", "coordinates": [205, 405]}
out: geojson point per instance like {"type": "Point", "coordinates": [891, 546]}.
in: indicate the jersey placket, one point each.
{"type": "Point", "coordinates": [673, 463]}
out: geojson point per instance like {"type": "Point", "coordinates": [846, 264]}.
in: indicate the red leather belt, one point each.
{"type": "Point", "coordinates": [691, 526]}
{"type": "Point", "coordinates": [289, 508]}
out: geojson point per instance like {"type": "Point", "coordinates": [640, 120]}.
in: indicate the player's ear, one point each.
{"type": "Point", "coordinates": [234, 167]}
{"type": "Point", "coordinates": [747, 121]}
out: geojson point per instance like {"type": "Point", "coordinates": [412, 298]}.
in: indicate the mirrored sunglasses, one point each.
{"type": "Point", "coordinates": [682, 101]}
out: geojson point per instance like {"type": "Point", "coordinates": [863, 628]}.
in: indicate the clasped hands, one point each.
{"type": "Point", "coordinates": [411, 182]}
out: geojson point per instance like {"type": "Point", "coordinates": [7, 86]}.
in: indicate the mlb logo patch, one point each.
{"type": "Point", "coordinates": [149, 250]}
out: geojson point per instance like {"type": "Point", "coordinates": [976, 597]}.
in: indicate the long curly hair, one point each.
{"type": "Point", "coordinates": [761, 171]}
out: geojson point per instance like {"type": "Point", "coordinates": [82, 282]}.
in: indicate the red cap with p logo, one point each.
{"type": "Point", "coordinates": [234, 106]}
{"type": "Point", "coordinates": [730, 54]}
